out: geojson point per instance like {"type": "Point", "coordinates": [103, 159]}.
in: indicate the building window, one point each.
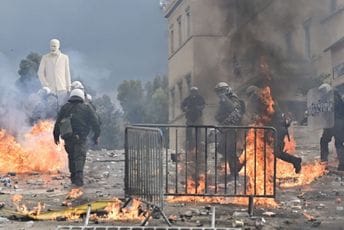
{"type": "Point", "coordinates": [171, 39]}
{"type": "Point", "coordinates": [188, 22]}
{"type": "Point", "coordinates": [173, 99]}
{"type": "Point", "coordinates": [180, 35]}
{"type": "Point", "coordinates": [180, 88]}
{"type": "Point", "coordinates": [333, 5]}
{"type": "Point", "coordinates": [306, 28]}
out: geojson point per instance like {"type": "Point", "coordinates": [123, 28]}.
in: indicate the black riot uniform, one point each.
{"type": "Point", "coordinates": [230, 113]}
{"type": "Point", "coordinates": [192, 106]}
{"type": "Point", "coordinates": [83, 119]}
{"type": "Point", "coordinates": [337, 132]}
{"type": "Point", "coordinates": [256, 107]}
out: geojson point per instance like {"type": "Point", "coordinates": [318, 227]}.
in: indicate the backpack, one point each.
{"type": "Point", "coordinates": [66, 129]}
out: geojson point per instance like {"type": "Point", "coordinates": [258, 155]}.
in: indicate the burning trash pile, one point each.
{"type": "Point", "coordinates": [100, 211]}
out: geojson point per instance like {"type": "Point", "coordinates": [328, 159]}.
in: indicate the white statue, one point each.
{"type": "Point", "coordinates": [54, 72]}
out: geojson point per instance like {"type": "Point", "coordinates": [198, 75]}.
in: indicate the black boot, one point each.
{"type": "Point", "coordinates": [297, 164]}
{"type": "Point", "coordinates": [324, 151]}
{"type": "Point", "coordinates": [296, 161]}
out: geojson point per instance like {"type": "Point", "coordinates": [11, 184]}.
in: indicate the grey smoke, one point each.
{"type": "Point", "coordinates": [12, 113]}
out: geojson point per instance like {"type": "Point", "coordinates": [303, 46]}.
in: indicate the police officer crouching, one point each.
{"type": "Point", "coordinates": [82, 119]}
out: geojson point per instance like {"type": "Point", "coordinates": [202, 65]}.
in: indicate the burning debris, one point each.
{"type": "Point", "coordinates": [113, 209]}
{"type": "Point", "coordinates": [32, 152]}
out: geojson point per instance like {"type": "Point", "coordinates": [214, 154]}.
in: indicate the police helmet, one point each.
{"type": "Point", "coordinates": [78, 93]}
{"type": "Point", "coordinates": [77, 85]}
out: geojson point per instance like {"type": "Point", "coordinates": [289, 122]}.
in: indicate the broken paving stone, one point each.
{"type": "Point", "coordinates": [316, 223]}
{"type": "Point", "coordinates": [204, 213]}
{"type": "Point", "coordinates": [99, 193]}
{"type": "Point", "coordinates": [320, 206]}
{"type": "Point", "coordinates": [188, 214]}
{"type": "Point", "coordinates": [260, 222]}
{"type": "Point", "coordinates": [296, 207]}
{"type": "Point", "coordinates": [269, 214]}
{"type": "Point", "coordinates": [198, 223]}
{"type": "Point", "coordinates": [240, 214]}
{"type": "Point", "coordinates": [339, 208]}
{"type": "Point", "coordinates": [195, 211]}
{"type": "Point", "coordinates": [295, 202]}
{"type": "Point", "coordinates": [238, 224]}
{"type": "Point", "coordinates": [3, 220]}
{"type": "Point", "coordinates": [106, 174]}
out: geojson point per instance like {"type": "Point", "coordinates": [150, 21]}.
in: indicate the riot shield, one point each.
{"type": "Point", "coordinates": [320, 108]}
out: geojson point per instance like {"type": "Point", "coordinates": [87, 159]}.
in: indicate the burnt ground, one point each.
{"type": "Point", "coordinates": [323, 200]}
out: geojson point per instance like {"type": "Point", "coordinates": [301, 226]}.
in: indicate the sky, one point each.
{"type": "Point", "coordinates": [107, 41]}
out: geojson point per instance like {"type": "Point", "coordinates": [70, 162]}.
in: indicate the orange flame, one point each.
{"type": "Point", "coordinates": [23, 209]}
{"type": "Point", "coordinates": [116, 212]}
{"type": "Point", "coordinates": [255, 170]}
{"type": "Point", "coordinates": [74, 193]}
{"type": "Point", "coordinates": [36, 152]}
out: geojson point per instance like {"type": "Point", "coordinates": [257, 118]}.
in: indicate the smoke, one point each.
{"type": "Point", "coordinates": [270, 34]}
{"type": "Point", "coordinates": [12, 99]}
{"type": "Point", "coordinates": [95, 79]}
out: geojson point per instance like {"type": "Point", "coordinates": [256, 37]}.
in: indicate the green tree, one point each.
{"type": "Point", "coordinates": [131, 97]}
{"type": "Point", "coordinates": [111, 135]}
{"type": "Point", "coordinates": [148, 105]}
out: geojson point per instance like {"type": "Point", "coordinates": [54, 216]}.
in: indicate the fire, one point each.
{"type": "Point", "coordinates": [288, 178]}
{"type": "Point", "coordinates": [36, 151]}
{"type": "Point", "coordinates": [199, 186]}
{"type": "Point", "coordinates": [16, 198]}
{"type": "Point", "coordinates": [23, 209]}
{"type": "Point", "coordinates": [75, 193]}
{"type": "Point", "coordinates": [289, 145]}
{"type": "Point", "coordinates": [116, 212]}
{"type": "Point", "coordinates": [285, 172]}
{"type": "Point", "coordinates": [257, 143]}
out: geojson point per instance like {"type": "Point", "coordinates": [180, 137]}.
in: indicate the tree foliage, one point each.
{"type": "Point", "coordinates": [111, 136]}
{"type": "Point", "coordinates": [144, 105]}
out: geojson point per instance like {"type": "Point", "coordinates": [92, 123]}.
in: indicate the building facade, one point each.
{"type": "Point", "coordinates": [294, 44]}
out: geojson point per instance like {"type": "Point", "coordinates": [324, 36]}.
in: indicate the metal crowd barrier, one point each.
{"type": "Point", "coordinates": [193, 161]}
{"type": "Point", "coordinates": [144, 169]}
{"type": "Point", "coordinates": [201, 157]}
